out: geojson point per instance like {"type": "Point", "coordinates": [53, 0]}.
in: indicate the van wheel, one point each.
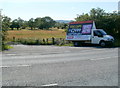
{"type": "Point", "coordinates": [75, 43]}
{"type": "Point", "coordinates": [102, 44]}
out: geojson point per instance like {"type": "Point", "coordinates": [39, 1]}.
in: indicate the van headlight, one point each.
{"type": "Point", "coordinates": [109, 39]}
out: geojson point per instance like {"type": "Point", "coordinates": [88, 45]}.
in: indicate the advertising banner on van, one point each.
{"type": "Point", "coordinates": [80, 30]}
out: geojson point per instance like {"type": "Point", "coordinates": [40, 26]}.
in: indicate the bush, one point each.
{"type": "Point", "coordinates": [117, 43]}
{"type": "Point", "coordinates": [6, 47]}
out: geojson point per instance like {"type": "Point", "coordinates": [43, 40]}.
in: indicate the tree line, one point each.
{"type": "Point", "coordinates": [39, 23]}
{"type": "Point", "coordinates": [108, 21]}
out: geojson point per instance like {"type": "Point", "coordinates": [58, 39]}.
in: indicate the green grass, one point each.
{"type": "Point", "coordinates": [69, 44]}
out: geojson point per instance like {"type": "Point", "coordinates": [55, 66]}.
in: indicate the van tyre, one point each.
{"type": "Point", "coordinates": [103, 44]}
{"type": "Point", "coordinates": [77, 44]}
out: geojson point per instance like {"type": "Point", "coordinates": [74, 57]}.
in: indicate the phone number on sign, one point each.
{"type": "Point", "coordinates": [70, 37]}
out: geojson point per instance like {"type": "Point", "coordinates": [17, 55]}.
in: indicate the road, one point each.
{"type": "Point", "coordinates": [59, 66]}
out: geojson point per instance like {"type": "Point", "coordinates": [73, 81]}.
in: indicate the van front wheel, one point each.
{"type": "Point", "coordinates": [102, 44]}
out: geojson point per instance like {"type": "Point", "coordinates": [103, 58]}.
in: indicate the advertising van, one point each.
{"type": "Point", "coordinates": [86, 32]}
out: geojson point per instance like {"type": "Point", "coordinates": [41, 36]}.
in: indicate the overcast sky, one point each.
{"type": "Point", "coordinates": [57, 9]}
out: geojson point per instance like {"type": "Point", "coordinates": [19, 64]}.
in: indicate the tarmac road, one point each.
{"type": "Point", "coordinates": [59, 66]}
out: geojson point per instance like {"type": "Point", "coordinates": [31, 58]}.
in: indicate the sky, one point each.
{"type": "Point", "coordinates": [56, 9]}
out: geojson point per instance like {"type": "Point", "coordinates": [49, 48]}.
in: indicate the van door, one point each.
{"type": "Point", "coordinates": [97, 36]}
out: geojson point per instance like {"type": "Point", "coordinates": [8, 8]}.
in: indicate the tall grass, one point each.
{"type": "Point", "coordinates": [37, 37]}
{"type": "Point", "coordinates": [45, 41]}
{"type": "Point", "coordinates": [35, 34]}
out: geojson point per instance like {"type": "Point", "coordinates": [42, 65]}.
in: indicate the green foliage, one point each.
{"type": "Point", "coordinates": [69, 44]}
{"type": "Point", "coordinates": [24, 25]}
{"type": "Point", "coordinates": [94, 14]}
{"type": "Point", "coordinates": [44, 23]}
{"type": "Point", "coordinates": [45, 41]}
{"type": "Point", "coordinates": [117, 43]}
{"type": "Point", "coordinates": [38, 23]}
{"type": "Point", "coordinates": [6, 47]}
{"type": "Point", "coordinates": [61, 25]}
{"type": "Point", "coordinates": [83, 17]}
{"type": "Point", "coordinates": [17, 23]}
{"type": "Point", "coordinates": [3, 33]}
{"type": "Point", "coordinates": [97, 13]}
{"type": "Point", "coordinates": [31, 23]}
{"type": "Point", "coordinates": [48, 22]}
{"type": "Point", "coordinates": [6, 22]}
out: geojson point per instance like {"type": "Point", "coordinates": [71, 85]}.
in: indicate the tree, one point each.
{"type": "Point", "coordinates": [94, 14]}
{"type": "Point", "coordinates": [5, 26]}
{"type": "Point", "coordinates": [61, 25]}
{"type": "Point", "coordinates": [97, 13]}
{"type": "Point", "coordinates": [83, 17]}
{"type": "Point", "coordinates": [39, 23]}
{"type": "Point", "coordinates": [25, 24]}
{"type": "Point", "coordinates": [6, 22]}
{"type": "Point", "coordinates": [44, 23]}
{"type": "Point", "coordinates": [31, 23]}
{"type": "Point", "coordinates": [49, 22]}
{"type": "Point", "coordinates": [15, 24]}
{"type": "Point", "coordinates": [20, 22]}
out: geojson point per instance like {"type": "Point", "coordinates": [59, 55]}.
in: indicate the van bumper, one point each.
{"type": "Point", "coordinates": [109, 43]}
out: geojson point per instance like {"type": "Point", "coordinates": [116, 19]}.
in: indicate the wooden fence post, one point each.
{"type": "Point", "coordinates": [13, 39]}
{"type": "Point", "coordinates": [44, 41]}
{"type": "Point", "coordinates": [47, 41]}
{"type": "Point", "coordinates": [53, 40]}
{"type": "Point", "coordinates": [37, 41]}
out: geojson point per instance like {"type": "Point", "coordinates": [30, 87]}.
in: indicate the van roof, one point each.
{"type": "Point", "coordinates": [81, 22]}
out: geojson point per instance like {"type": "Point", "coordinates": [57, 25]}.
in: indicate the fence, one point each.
{"type": "Point", "coordinates": [45, 41]}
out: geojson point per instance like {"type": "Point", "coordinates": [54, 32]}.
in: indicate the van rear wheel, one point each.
{"type": "Point", "coordinates": [102, 44]}
{"type": "Point", "coordinates": [77, 43]}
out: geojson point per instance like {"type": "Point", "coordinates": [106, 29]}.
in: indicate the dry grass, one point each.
{"type": "Point", "coordinates": [37, 34]}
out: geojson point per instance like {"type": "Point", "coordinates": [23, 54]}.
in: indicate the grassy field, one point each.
{"type": "Point", "coordinates": [36, 34]}
{"type": "Point", "coordinates": [30, 36]}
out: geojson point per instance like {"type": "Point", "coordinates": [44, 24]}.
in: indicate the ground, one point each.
{"type": "Point", "coordinates": [60, 66]}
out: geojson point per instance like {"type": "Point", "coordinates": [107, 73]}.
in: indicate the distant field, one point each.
{"type": "Point", "coordinates": [37, 34]}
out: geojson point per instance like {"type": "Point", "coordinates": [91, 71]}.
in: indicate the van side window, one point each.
{"type": "Point", "coordinates": [97, 33]}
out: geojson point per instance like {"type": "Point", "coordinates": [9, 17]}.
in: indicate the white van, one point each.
{"type": "Point", "coordinates": [86, 32]}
